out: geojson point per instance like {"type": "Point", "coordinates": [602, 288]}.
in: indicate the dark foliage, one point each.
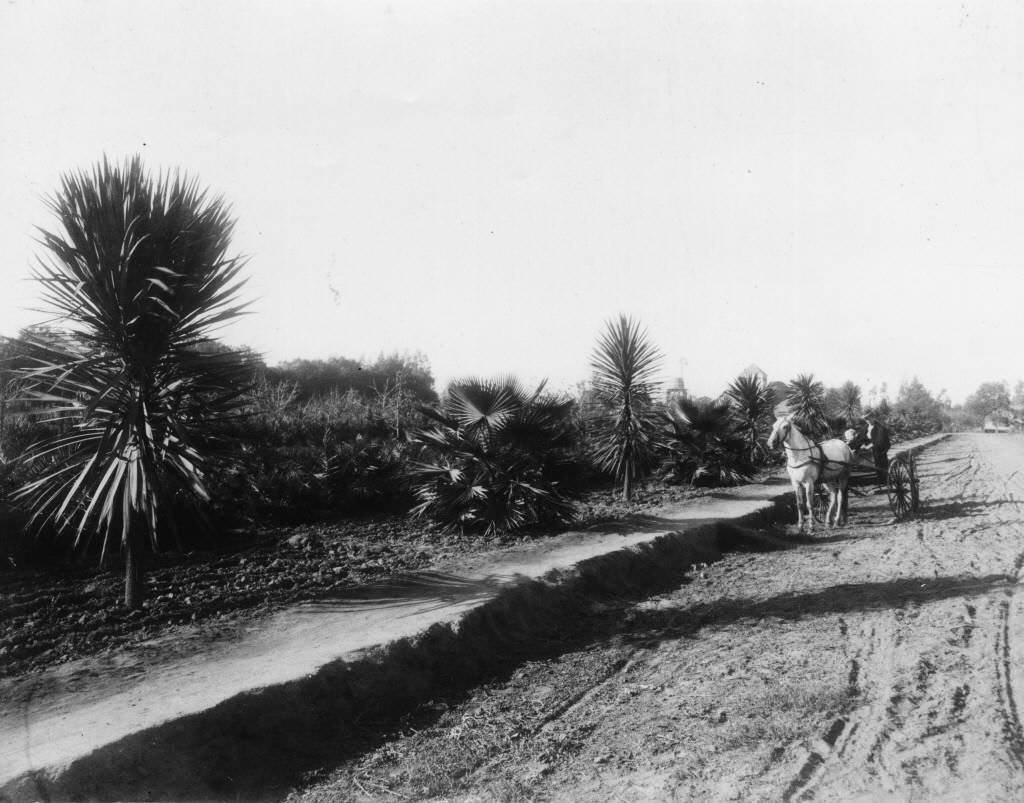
{"type": "Point", "coordinates": [138, 268]}
{"type": "Point", "coordinates": [300, 461]}
{"type": "Point", "coordinates": [753, 404]}
{"type": "Point", "coordinates": [496, 458]}
{"type": "Point", "coordinates": [705, 445]}
{"type": "Point", "coordinates": [408, 374]}
{"type": "Point", "coordinates": [806, 402]}
{"type": "Point", "coordinates": [917, 412]}
{"type": "Point", "coordinates": [624, 423]}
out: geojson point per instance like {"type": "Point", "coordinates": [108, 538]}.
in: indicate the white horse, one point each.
{"type": "Point", "coordinates": [809, 463]}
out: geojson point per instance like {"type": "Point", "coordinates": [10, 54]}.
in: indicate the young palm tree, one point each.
{"type": "Point", "coordinates": [138, 270]}
{"type": "Point", "coordinates": [850, 402]}
{"type": "Point", "coordinates": [844, 403]}
{"type": "Point", "coordinates": [495, 458]}
{"type": "Point", "coordinates": [707, 447]}
{"type": "Point", "coordinates": [753, 403]}
{"type": "Point", "coordinates": [807, 403]}
{"type": "Point", "coordinates": [627, 425]}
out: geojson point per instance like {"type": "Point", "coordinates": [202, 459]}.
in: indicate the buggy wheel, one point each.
{"type": "Point", "coordinates": [902, 488]}
{"type": "Point", "coordinates": [819, 504]}
{"type": "Point", "coordinates": [915, 497]}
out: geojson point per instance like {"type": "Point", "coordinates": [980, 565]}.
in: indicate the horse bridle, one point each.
{"type": "Point", "coordinates": [822, 461]}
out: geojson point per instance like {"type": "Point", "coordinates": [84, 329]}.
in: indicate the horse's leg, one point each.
{"type": "Point", "coordinates": [809, 499]}
{"type": "Point", "coordinates": [844, 499]}
{"type": "Point", "coordinates": [799, 509]}
{"type": "Point", "coordinates": [833, 499]}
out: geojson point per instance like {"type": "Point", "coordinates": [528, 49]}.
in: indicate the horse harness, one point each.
{"type": "Point", "coordinates": [821, 461]}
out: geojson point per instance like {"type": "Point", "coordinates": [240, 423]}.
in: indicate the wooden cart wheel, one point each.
{"type": "Point", "coordinates": [902, 488]}
{"type": "Point", "coordinates": [915, 497]}
{"type": "Point", "coordinates": [819, 506]}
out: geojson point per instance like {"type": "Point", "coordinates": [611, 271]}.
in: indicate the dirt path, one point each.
{"type": "Point", "coordinates": [881, 661]}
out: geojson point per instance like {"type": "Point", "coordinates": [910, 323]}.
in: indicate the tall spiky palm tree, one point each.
{"type": "Point", "coordinates": [844, 402]}
{"type": "Point", "coordinates": [806, 401]}
{"type": "Point", "coordinates": [627, 424]}
{"type": "Point", "coordinates": [138, 269]}
{"type": "Point", "coordinates": [753, 403]}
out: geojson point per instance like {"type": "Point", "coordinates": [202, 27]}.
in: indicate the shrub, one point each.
{"type": "Point", "coordinates": [389, 374]}
{"type": "Point", "coordinates": [705, 446]}
{"type": "Point", "coordinates": [367, 475]}
{"type": "Point", "coordinates": [496, 458]}
{"type": "Point", "coordinates": [301, 459]}
{"type": "Point", "coordinates": [917, 412]}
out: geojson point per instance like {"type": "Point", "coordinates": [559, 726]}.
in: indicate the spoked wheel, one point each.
{"type": "Point", "coordinates": [819, 506]}
{"type": "Point", "coordinates": [902, 488]}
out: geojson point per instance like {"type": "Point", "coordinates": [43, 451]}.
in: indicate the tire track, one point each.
{"type": "Point", "coordinates": [1013, 732]}
{"type": "Point", "coordinates": [878, 682]}
{"type": "Point", "coordinates": [912, 678]}
{"type": "Point", "coordinates": [853, 738]}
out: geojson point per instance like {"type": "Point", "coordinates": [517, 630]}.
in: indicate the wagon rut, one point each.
{"type": "Point", "coordinates": [880, 661]}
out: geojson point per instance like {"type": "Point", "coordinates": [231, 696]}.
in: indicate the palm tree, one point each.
{"type": "Point", "coordinates": [138, 270]}
{"type": "Point", "coordinates": [627, 425]}
{"type": "Point", "coordinates": [844, 404]}
{"type": "Point", "coordinates": [753, 403]}
{"type": "Point", "coordinates": [807, 404]}
{"type": "Point", "coordinates": [496, 457]}
{"type": "Point", "coordinates": [706, 444]}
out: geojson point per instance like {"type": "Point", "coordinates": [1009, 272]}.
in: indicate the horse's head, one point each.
{"type": "Point", "coordinates": [780, 431]}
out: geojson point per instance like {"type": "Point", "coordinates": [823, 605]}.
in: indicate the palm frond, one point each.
{"type": "Point", "coordinates": [807, 404]}
{"type": "Point", "coordinates": [493, 457]}
{"type": "Point", "coordinates": [625, 426]}
{"type": "Point", "coordinates": [136, 268]}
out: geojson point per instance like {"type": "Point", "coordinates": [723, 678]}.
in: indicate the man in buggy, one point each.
{"type": "Point", "coordinates": [875, 434]}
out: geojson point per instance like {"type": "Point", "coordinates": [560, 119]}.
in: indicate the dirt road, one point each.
{"type": "Point", "coordinates": [881, 661]}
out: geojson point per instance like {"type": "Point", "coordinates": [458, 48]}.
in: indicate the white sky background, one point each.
{"type": "Point", "coordinates": [812, 187]}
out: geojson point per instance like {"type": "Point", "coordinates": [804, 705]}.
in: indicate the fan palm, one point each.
{"type": "Point", "coordinates": [138, 270]}
{"type": "Point", "coordinates": [753, 402]}
{"type": "Point", "coordinates": [495, 458]}
{"type": "Point", "coordinates": [806, 401]}
{"type": "Point", "coordinates": [627, 424]}
{"type": "Point", "coordinates": [707, 448]}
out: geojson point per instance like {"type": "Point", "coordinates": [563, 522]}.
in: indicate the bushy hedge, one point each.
{"type": "Point", "coordinates": [296, 460]}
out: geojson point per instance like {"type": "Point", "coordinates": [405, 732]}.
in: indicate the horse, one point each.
{"type": "Point", "coordinates": [809, 463]}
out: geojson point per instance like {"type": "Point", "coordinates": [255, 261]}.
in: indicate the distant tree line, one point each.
{"type": "Point", "coordinates": [312, 378]}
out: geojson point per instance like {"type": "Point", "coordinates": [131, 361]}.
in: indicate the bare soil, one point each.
{"type": "Point", "coordinates": [879, 661]}
{"type": "Point", "coordinates": [50, 616]}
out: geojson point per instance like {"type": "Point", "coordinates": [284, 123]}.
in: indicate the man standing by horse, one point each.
{"type": "Point", "coordinates": [875, 434]}
{"type": "Point", "coordinates": [878, 436]}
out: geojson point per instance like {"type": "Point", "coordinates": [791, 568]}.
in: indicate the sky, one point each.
{"type": "Point", "coordinates": [828, 188]}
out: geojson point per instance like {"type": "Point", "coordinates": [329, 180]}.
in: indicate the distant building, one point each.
{"type": "Point", "coordinates": [677, 390]}
{"type": "Point", "coordinates": [1002, 420]}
